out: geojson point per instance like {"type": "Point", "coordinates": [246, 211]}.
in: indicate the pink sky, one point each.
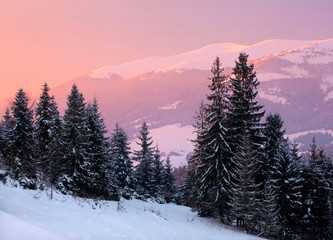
{"type": "Point", "coordinates": [56, 41]}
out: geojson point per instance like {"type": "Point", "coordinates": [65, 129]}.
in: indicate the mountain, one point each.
{"type": "Point", "coordinates": [296, 81]}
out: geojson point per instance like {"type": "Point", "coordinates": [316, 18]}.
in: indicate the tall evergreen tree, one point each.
{"type": "Point", "coordinates": [315, 197]}
{"type": "Point", "coordinates": [122, 166]}
{"type": "Point", "coordinates": [245, 192]}
{"type": "Point", "coordinates": [281, 170]}
{"type": "Point", "coordinates": [144, 173]}
{"type": "Point", "coordinates": [48, 133]}
{"type": "Point", "coordinates": [7, 124]}
{"type": "Point", "coordinates": [75, 139]}
{"type": "Point", "coordinates": [215, 165]}
{"type": "Point", "coordinates": [158, 169]}
{"type": "Point", "coordinates": [21, 142]}
{"type": "Point", "coordinates": [244, 111]}
{"type": "Point", "coordinates": [101, 184]}
{"type": "Point", "coordinates": [170, 189]}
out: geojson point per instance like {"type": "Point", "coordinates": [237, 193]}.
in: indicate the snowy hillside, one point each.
{"type": "Point", "coordinates": [197, 59]}
{"type": "Point", "coordinates": [26, 214]}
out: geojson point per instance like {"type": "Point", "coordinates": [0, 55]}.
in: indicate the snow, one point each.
{"type": "Point", "coordinates": [326, 83]}
{"type": "Point", "coordinates": [199, 59]}
{"type": "Point", "coordinates": [294, 57]}
{"type": "Point", "coordinates": [324, 59]}
{"type": "Point", "coordinates": [328, 96]}
{"type": "Point", "coordinates": [272, 98]}
{"type": "Point", "coordinates": [267, 76]}
{"type": "Point", "coordinates": [27, 214]}
{"type": "Point", "coordinates": [296, 72]}
{"type": "Point", "coordinates": [171, 106]}
{"type": "Point", "coordinates": [294, 136]}
{"type": "Point", "coordinates": [318, 52]}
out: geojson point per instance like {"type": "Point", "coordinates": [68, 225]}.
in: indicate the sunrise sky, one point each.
{"type": "Point", "coordinates": [59, 40]}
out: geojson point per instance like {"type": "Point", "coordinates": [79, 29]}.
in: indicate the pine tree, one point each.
{"type": "Point", "coordinates": [100, 183]}
{"type": "Point", "coordinates": [75, 143]}
{"type": "Point", "coordinates": [170, 189]}
{"type": "Point", "coordinates": [315, 197]}
{"type": "Point", "coordinates": [286, 179]}
{"type": "Point", "coordinates": [281, 171]}
{"type": "Point", "coordinates": [245, 191]}
{"type": "Point", "coordinates": [244, 112]}
{"type": "Point", "coordinates": [121, 165]}
{"type": "Point", "coordinates": [21, 143]}
{"type": "Point", "coordinates": [144, 173]}
{"type": "Point", "coordinates": [269, 223]}
{"type": "Point", "coordinates": [215, 166]}
{"type": "Point", "coordinates": [48, 133]}
{"type": "Point", "coordinates": [7, 125]}
{"type": "Point", "coordinates": [274, 140]}
{"type": "Point", "coordinates": [158, 169]}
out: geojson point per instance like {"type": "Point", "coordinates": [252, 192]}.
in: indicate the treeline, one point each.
{"type": "Point", "coordinates": [40, 149]}
{"type": "Point", "coordinates": [245, 172]}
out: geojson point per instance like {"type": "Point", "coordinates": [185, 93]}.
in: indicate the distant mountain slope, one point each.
{"type": "Point", "coordinates": [198, 59]}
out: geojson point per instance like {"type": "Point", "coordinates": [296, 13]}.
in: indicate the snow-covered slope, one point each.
{"type": "Point", "coordinates": [26, 214]}
{"type": "Point", "coordinates": [198, 59]}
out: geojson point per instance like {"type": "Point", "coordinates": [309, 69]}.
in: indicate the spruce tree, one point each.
{"type": "Point", "coordinates": [281, 170]}
{"type": "Point", "coordinates": [269, 221]}
{"type": "Point", "coordinates": [245, 191]}
{"type": "Point", "coordinates": [76, 163]}
{"type": "Point", "coordinates": [170, 189]}
{"type": "Point", "coordinates": [316, 211]}
{"type": "Point", "coordinates": [244, 111]}
{"type": "Point", "coordinates": [286, 180]}
{"type": "Point", "coordinates": [101, 184]}
{"type": "Point", "coordinates": [7, 124]}
{"type": "Point", "coordinates": [158, 169]}
{"type": "Point", "coordinates": [48, 133]}
{"type": "Point", "coordinates": [21, 161]}
{"type": "Point", "coordinates": [215, 165]}
{"type": "Point", "coordinates": [121, 163]}
{"type": "Point", "coordinates": [144, 172]}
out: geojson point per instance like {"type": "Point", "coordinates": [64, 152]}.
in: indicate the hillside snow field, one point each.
{"type": "Point", "coordinates": [27, 214]}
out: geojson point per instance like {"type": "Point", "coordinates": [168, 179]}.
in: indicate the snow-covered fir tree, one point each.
{"type": "Point", "coordinates": [48, 133]}
{"type": "Point", "coordinates": [244, 110]}
{"type": "Point", "coordinates": [7, 124]}
{"type": "Point", "coordinates": [269, 223]}
{"type": "Point", "coordinates": [215, 163]}
{"type": "Point", "coordinates": [159, 181]}
{"type": "Point", "coordinates": [245, 192]}
{"type": "Point", "coordinates": [101, 183]}
{"type": "Point", "coordinates": [170, 189]}
{"type": "Point", "coordinates": [75, 165]}
{"type": "Point", "coordinates": [281, 171]}
{"type": "Point", "coordinates": [121, 163]}
{"type": "Point", "coordinates": [286, 180]}
{"type": "Point", "coordinates": [21, 156]}
{"type": "Point", "coordinates": [316, 212]}
{"type": "Point", "coordinates": [144, 172]}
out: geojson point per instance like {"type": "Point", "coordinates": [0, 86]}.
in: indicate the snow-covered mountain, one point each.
{"type": "Point", "coordinates": [197, 59]}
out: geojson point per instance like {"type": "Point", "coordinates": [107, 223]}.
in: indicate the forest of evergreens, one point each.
{"type": "Point", "coordinates": [243, 170]}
